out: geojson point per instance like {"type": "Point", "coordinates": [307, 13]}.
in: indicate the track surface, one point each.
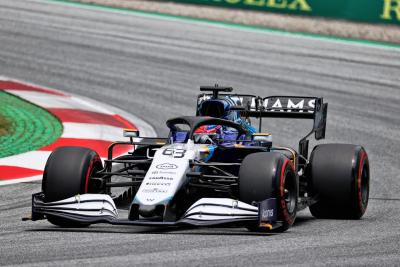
{"type": "Point", "coordinates": [152, 68]}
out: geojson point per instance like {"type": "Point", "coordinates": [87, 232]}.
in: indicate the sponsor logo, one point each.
{"type": "Point", "coordinates": [161, 178]}
{"type": "Point", "coordinates": [168, 172]}
{"type": "Point", "coordinates": [266, 214]}
{"type": "Point", "coordinates": [154, 190]}
{"type": "Point", "coordinates": [292, 5]}
{"type": "Point", "coordinates": [159, 183]}
{"type": "Point", "coordinates": [276, 104]}
{"type": "Point", "coordinates": [166, 166]}
{"type": "Point", "coordinates": [267, 211]}
{"type": "Point", "coordinates": [163, 172]}
{"type": "Point", "coordinates": [281, 103]}
{"type": "Point", "coordinates": [297, 5]}
{"type": "Point", "coordinates": [391, 10]}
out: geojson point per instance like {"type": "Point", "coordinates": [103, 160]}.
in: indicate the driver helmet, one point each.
{"type": "Point", "coordinates": [221, 108]}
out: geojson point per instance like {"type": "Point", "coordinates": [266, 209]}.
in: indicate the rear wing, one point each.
{"type": "Point", "coordinates": [291, 107]}
{"type": "Point", "coordinates": [294, 107]}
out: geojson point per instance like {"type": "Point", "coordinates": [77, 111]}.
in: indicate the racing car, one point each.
{"type": "Point", "coordinates": [209, 178]}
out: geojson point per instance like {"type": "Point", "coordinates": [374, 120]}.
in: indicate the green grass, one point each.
{"type": "Point", "coordinates": [25, 126]}
{"type": "Point", "coordinates": [4, 126]}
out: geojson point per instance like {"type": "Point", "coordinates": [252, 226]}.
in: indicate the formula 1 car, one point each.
{"type": "Point", "coordinates": [204, 178]}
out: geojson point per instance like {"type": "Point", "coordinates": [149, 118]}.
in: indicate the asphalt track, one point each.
{"type": "Point", "coordinates": [152, 67]}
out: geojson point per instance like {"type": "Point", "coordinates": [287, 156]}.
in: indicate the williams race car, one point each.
{"type": "Point", "coordinates": [213, 169]}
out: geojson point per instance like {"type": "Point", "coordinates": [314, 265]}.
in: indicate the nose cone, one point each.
{"type": "Point", "coordinates": [152, 211]}
{"type": "Point", "coordinates": [147, 210]}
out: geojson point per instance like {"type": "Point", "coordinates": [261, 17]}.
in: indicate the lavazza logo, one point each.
{"type": "Point", "coordinates": [166, 166]}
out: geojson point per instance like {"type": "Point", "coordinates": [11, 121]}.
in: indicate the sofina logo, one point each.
{"type": "Point", "coordinates": [166, 166]}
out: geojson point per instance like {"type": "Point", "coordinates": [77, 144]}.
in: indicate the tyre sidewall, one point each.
{"type": "Point", "coordinates": [67, 172]}
{"type": "Point", "coordinates": [338, 191]}
{"type": "Point", "coordinates": [266, 174]}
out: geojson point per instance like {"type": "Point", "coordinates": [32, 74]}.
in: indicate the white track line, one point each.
{"type": "Point", "coordinates": [21, 180]}
{"type": "Point", "coordinates": [32, 160]}
{"type": "Point", "coordinates": [92, 131]}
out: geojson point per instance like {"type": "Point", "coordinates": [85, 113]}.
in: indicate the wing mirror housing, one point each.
{"type": "Point", "coordinates": [131, 133]}
{"type": "Point", "coordinates": [262, 139]}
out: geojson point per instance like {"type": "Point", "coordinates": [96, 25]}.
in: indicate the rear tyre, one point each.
{"type": "Point", "coordinates": [270, 175]}
{"type": "Point", "coordinates": [339, 180]}
{"type": "Point", "coordinates": [67, 173]}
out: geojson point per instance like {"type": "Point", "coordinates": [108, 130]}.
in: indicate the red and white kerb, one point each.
{"type": "Point", "coordinates": [86, 123]}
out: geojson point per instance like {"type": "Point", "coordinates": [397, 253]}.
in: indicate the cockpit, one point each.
{"type": "Point", "coordinates": [205, 130]}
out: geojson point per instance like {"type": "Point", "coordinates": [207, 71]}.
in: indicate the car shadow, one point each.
{"type": "Point", "coordinates": [163, 231]}
{"type": "Point", "coordinates": [181, 230]}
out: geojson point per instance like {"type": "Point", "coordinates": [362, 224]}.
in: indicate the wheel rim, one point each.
{"type": "Point", "coordinates": [290, 193]}
{"type": "Point", "coordinates": [92, 186]}
{"type": "Point", "coordinates": [364, 185]}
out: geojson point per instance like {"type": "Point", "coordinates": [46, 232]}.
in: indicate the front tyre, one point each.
{"type": "Point", "coordinates": [270, 175]}
{"type": "Point", "coordinates": [339, 180]}
{"type": "Point", "coordinates": [67, 173]}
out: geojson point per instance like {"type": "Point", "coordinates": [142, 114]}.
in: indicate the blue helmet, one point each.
{"type": "Point", "coordinates": [219, 108]}
{"type": "Point", "coordinates": [222, 108]}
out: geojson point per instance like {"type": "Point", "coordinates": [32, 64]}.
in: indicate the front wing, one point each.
{"type": "Point", "coordinates": [100, 208]}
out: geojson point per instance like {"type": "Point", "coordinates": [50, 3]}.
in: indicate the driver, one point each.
{"type": "Point", "coordinates": [210, 134]}
{"type": "Point", "coordinates": [220, 108]}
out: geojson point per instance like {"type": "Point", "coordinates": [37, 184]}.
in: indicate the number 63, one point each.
{"type": "Point", "coordinates": [176, 153]}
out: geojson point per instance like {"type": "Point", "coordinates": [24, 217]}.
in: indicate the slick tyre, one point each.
{"type": "Point", "coordinates": [67, 173]}
{"type": "Point", "coordinates": [270, 175]}
{"type": "Point", "coordinates": [339, 180]}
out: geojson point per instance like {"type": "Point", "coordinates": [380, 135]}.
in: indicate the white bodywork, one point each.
{"type": "Point", "coordinates": [166, 175]}
{"type": "Point", "coordinates": [91, 205]}
{"type": "Point", "coordinates": [102, 206]}
{"type": "Point", "coordinates": [167, 172]}
{"type": "Point", "coordinates": [213, 209]}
